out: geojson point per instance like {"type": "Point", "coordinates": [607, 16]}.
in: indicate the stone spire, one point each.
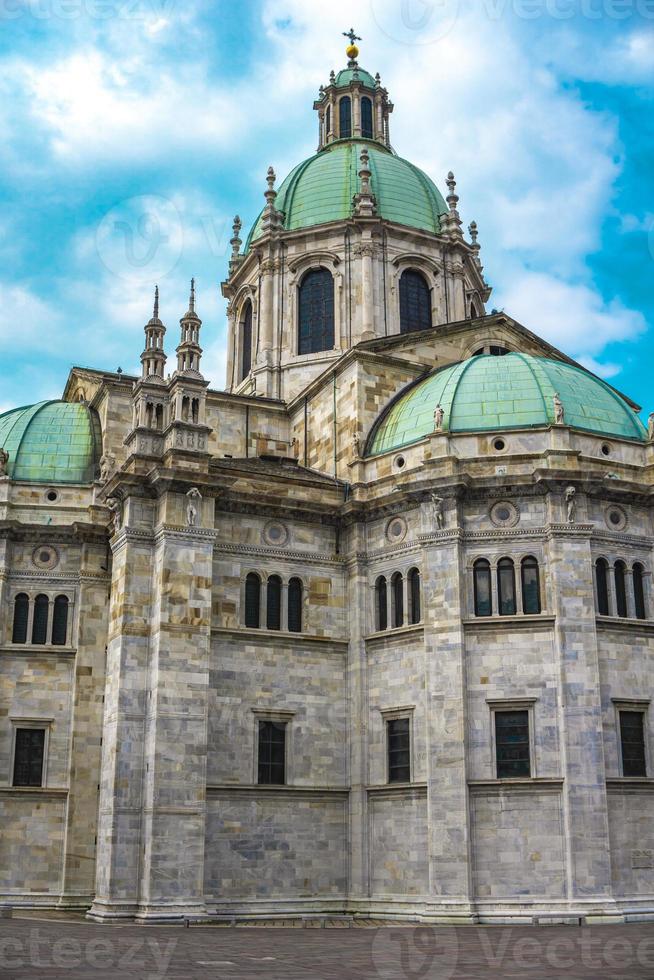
{"type": "Point", "coordinates": [189, 351]}
{"type": "Point", "coordinates": [271, 217]}
{"type": "Point", "coordinates": [364, 201]}
{"type": "Point", "coordinates": [235, 242]}
{"type": "Point", "coordinates": [451, 221]}
{"type": "Point", "coordinates": [153, 358]}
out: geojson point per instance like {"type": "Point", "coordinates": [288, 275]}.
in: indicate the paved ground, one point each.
{"type": "Point", "coordinates": [32, 947]}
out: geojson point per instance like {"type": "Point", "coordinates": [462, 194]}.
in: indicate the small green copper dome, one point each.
{"type": "Point", "coordinates": [347, 75]}
{"type": "Point", "coordinates": [321, 189]}
{"type": "Point", "coordinates": [52, 442]}
{"type": "Point", "coordinates": [488, 393]}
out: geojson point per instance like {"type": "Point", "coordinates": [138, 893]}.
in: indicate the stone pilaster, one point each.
{"type": "Point", "coordinates": [359, 596]}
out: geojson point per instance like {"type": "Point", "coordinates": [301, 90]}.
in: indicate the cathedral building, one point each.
{"type": "Point", "coordinates": [368, 632]}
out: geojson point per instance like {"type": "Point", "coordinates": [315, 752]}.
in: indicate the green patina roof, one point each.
{"type": "Point", "coordinates": [487, 393]}
{"type": "Point", "coordinates": [52, 442]}
{"type": "Point", "coordinates": [321, 189]}
{"type": "Point", "coordinates": [347, 75]}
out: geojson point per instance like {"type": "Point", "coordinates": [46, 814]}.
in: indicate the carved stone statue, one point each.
{"type": "Point", "coordinates": [4, 459]}
{"type": "Point", "coordinates": [650, 426]}
{"type": "Point", "coordinates": [437, 510]}
{"type": "Point", "coordinates": [356, 445]}
{"type": "Point", "coordinates": [559, 410]}
{"type": "Point", "coordinates": [107, 463]}
{"type": "Point", "coordinates": [295, 447]}
{"type": "Point", "coordinates": [439, 415]}
{"type": "Point", "coordinates": [194, 502]}
{"type": "Point", "coordinates": [116, 507]}
{"type": "Point", "coordinates": [570, 504]}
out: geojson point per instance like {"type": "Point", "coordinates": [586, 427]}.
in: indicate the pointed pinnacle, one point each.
{"type": "Point", "coordinates": [155, 312]}
{"type": "Point", "coordinates": [191, 302]}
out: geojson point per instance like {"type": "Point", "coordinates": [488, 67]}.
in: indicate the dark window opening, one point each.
{"type": "Point", "coordinates": [639, 591]}
{"type": "Point", "coordinates": [602, 582]}
{"type": "Point", "coordinates": [295, 605]}
{"type": "Point", "coordinates": [28, 756]}
{"type": "Point", "coordinates": [381, 603]}
{"type": "Point", "coordinates": [620, 588]}
{"type": "Point", "coordinates": [316, 312]}
{"type": "Point", "coordinates": [40, 624]}
{"type": "Point", "coordinates": [246, 341]}
{"type": "Point", "coordinates": [530, 586]}
{"type": "Point", "coordinates": [21, 614]}
{"type": "Point", "coordinates": [397, 585]}
{"type": "Point", "coordinates": [414, 595]}
{"type": "Point", "coordinates": [366, 118]}
{"type": "Point", "coordinates": [60, 621]}
{"type": "Point", "coordinates": [252, 600]}
{"type": "Point", "coordinates": [506, 587]}
{"type": "Point", "coordinates": [512, 744]}
{"type": "Point", "coordinates": [328, 121]}
{"type": "Point", "coordinates": [399, 759]}
{"type": "Point", "coordinates": [632, 737]}
{"type": "Point", "coordinates": [272, 753]}
{"type": "Point", "coordinates": [415, 302]}
{"type": "Point", "coordinates": [345, 117]}
{"type": "Point", "coordinates": [497, 351]}
{"type": "Point", "coordinates": [482, 586]}
{"type": "Point", "coordinates": [274, 603]}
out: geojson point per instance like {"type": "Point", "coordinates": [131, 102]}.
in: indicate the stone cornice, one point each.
{"type": "Point", "coordinates": [249, 789]}
{"type": "Point", "coordinates": [551, 784]}
{"type": "Point", "coordinates": [277, 636]}
{"type": "Point", "coordinates": [261, 551]}
{"type": "Point", "coordinates": [618, 624]}
{"type": "Point", "coordinates": [518, 622]}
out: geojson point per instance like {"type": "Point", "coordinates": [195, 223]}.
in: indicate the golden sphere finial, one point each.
{"type": "Point", "coordinates": [352, 52]}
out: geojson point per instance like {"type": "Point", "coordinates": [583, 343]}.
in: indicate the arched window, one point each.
{"type": "Point", "coordinates": [21, 613]}
{"type": "Point", "coordinates": [60, 621]}
{"type": "Point", "coordinates": [328, 122]}
{"type": "Point", "coordinates": [415, 302]}
{"type": "Point", "coordinates": [639, 591]}
{"type": "Point", "coordinates": [482, 587]}
{"type": "Point", "coordinates": [40, 624]}
{"type": "Point", "coordinates": [381, 608]}
{"type": "Point", "coordinates": [366, 118]}
{"type": "Point", "coordinates": [246, 340]}
{"type": "Point", "coordinates": [345, 118]}
{"type": "Point", "coordinates": [295, 605]}
{"type": "Point", "coordinates": [274, 603]}
{"type": "Point", "coordinates": [602, 586]}
{"type": "Point", "coordinates": [506, 587]}
{"type": "Point", "coordinates": [620, 588]}
{"type": "Point", "coordinates": [316, 312]}
{"type": "Point", "coordinates": [252, 600]}
{"type": "Point", "coordinates": [397, 595]}
{"type": "Point", "coordinates": [530, 585]}
{"type": "Point", "coordinates": [414, 595]}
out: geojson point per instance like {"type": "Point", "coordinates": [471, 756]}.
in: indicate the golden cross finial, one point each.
{"type": "Point", "coordinates": [352, 36]}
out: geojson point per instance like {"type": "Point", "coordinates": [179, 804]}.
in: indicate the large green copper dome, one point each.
{"type": "Point", "coordinates": [321, 189]}
{"type": "Point", "coordinates": [52, 442]}
{"type": "Point", "coordinates": [488, 393]}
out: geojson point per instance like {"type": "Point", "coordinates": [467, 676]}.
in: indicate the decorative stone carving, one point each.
{"type": "Point", "coordinates": [194, 502]}
{"type": "Point", "coordinates": [275, 533]}
{"type": "Point", "coordinates": [4, 459]}
{"type": "Point", "coordinates": [116, 507]}
{"type": "Point", "coordinates": [439, 415]}
{"type": "Point", "coordinates": [356, 445]}
{"type": "Point", "coordinates": [559, 410]}
{"type": "Point", "coordinates": [615, 517]}
{"type": "Point", "coordinates": [650, 426]}
{"type": "Point", "coordinates": [107, 464]}
{"type": "Point", "coordinates": [45, 557]}
{"type": "Point", "coordinates": [437, 511]}
{"type": "Point", "coordinates": [396, 530]}
{"type": "Point", "coordinates": [570, 504]}
{"type": "Point", "coordinates": [504, 514]}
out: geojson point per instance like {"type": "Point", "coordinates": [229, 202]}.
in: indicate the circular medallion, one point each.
{"type": "Point", "coordinates": [504, 514]}
{"type": "Point", "coordinates": [45, 556]}
{"type": "Point", "coordinates": [396, 530]}
{"type": "Point", "coordinates": [275, 533]}
{"type": "Point", "coordinates": [615, 517]}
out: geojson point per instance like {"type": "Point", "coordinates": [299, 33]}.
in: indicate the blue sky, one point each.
{"type": "Point", "coordinates": [131, 133]}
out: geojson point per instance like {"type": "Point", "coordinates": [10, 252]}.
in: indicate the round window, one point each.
{"type": "Point", "coordinates": [45, 557]}
{"type": "Point", "coordinates": [396, 529]}
{"type": "Point", "coordinates": [616, 518]}
{"type": "Point", "coordinates": [499, 445]}
{"type": "Point", "coordinates": [400, 462]}
{"type": "Point", "coordinates": [275, 533]}
{"type": "Point", "coordinates": [52, 495]}
{"type": "Point", "coordinates": [504, 514]}
{"type": "Point", "coordinates": [606, 449]}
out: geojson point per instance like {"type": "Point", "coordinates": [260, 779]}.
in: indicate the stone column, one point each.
{"type": "Point", "coordinates": [357, 591]}
{"type": "Point", "coordinates": [585, 816]}
{"type": "Point", "coordinates": [446, 710]}
{"type": "Point", "coordinates": [367, 298]}
{"type": "Point", "coordinates": [233, 347]}
{"type": "Point", "coordinates": [266, 311]}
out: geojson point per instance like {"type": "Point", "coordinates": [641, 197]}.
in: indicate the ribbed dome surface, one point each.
{"type": "Point", "coordinates": [489, 393]}
{"type": "Point", "coordinates": [347, 75]}
{"type": "Point", "coordinates": [52, 442]}
{"type": "Point", "coordinates": [321, 189]}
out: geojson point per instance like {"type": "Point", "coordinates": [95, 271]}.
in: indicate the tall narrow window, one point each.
{"type": "Point", "coordinates": [530, 585]}
{"type": "Point", "coordinates": [272, 753]}
{"type": "Point", "coordinates": [295, 605]}
{"type": "Point", "coordinates": [40, 624]}
{"type": "Point", "coordinates": [381, 599]}
{"type": "Point", "coordinates": [328, 122]}
{"type": "Point", "coordinates": [21, 613]}
{"type": "Point", "coordinates": [397, 585]}
{"type": "Point", "coordinates": [60, 621]}
{"type": "Point", "coordinates": [274, 603]}
{"type": "Point", "coordinates": [28, 756]}
{"type": "Point", "coordinates": [414, 595]}
{"type": "Point", "coordinates": [316, 312]}
{"type": "Point", "coordinates": [345, 118]}
{"type": "Point", "coordinates": [512, 744]}
{"type": "Point", "coordinates": [399, 750]}
{"type": "Point", "coordinates": [482, 586]}
{"type": "Point", "coordinates": [632, 738]}
{"type": "Point", "coordinates": [638, 573]}
{"type": "Point", "coordinates": [602, 585]}
{"type": "Point", "coordinates": [620, 588]}
{"type": "Point", "coordinates": [246, 340]}
{"type": "Point", "coordinates": [252, 600]}
{"type": "Point", "coordinates": [506, 587]}
{"type": "Point", "coordinates": [366, 118]}
{"type": "Point", "coordinates": [415, 302]}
